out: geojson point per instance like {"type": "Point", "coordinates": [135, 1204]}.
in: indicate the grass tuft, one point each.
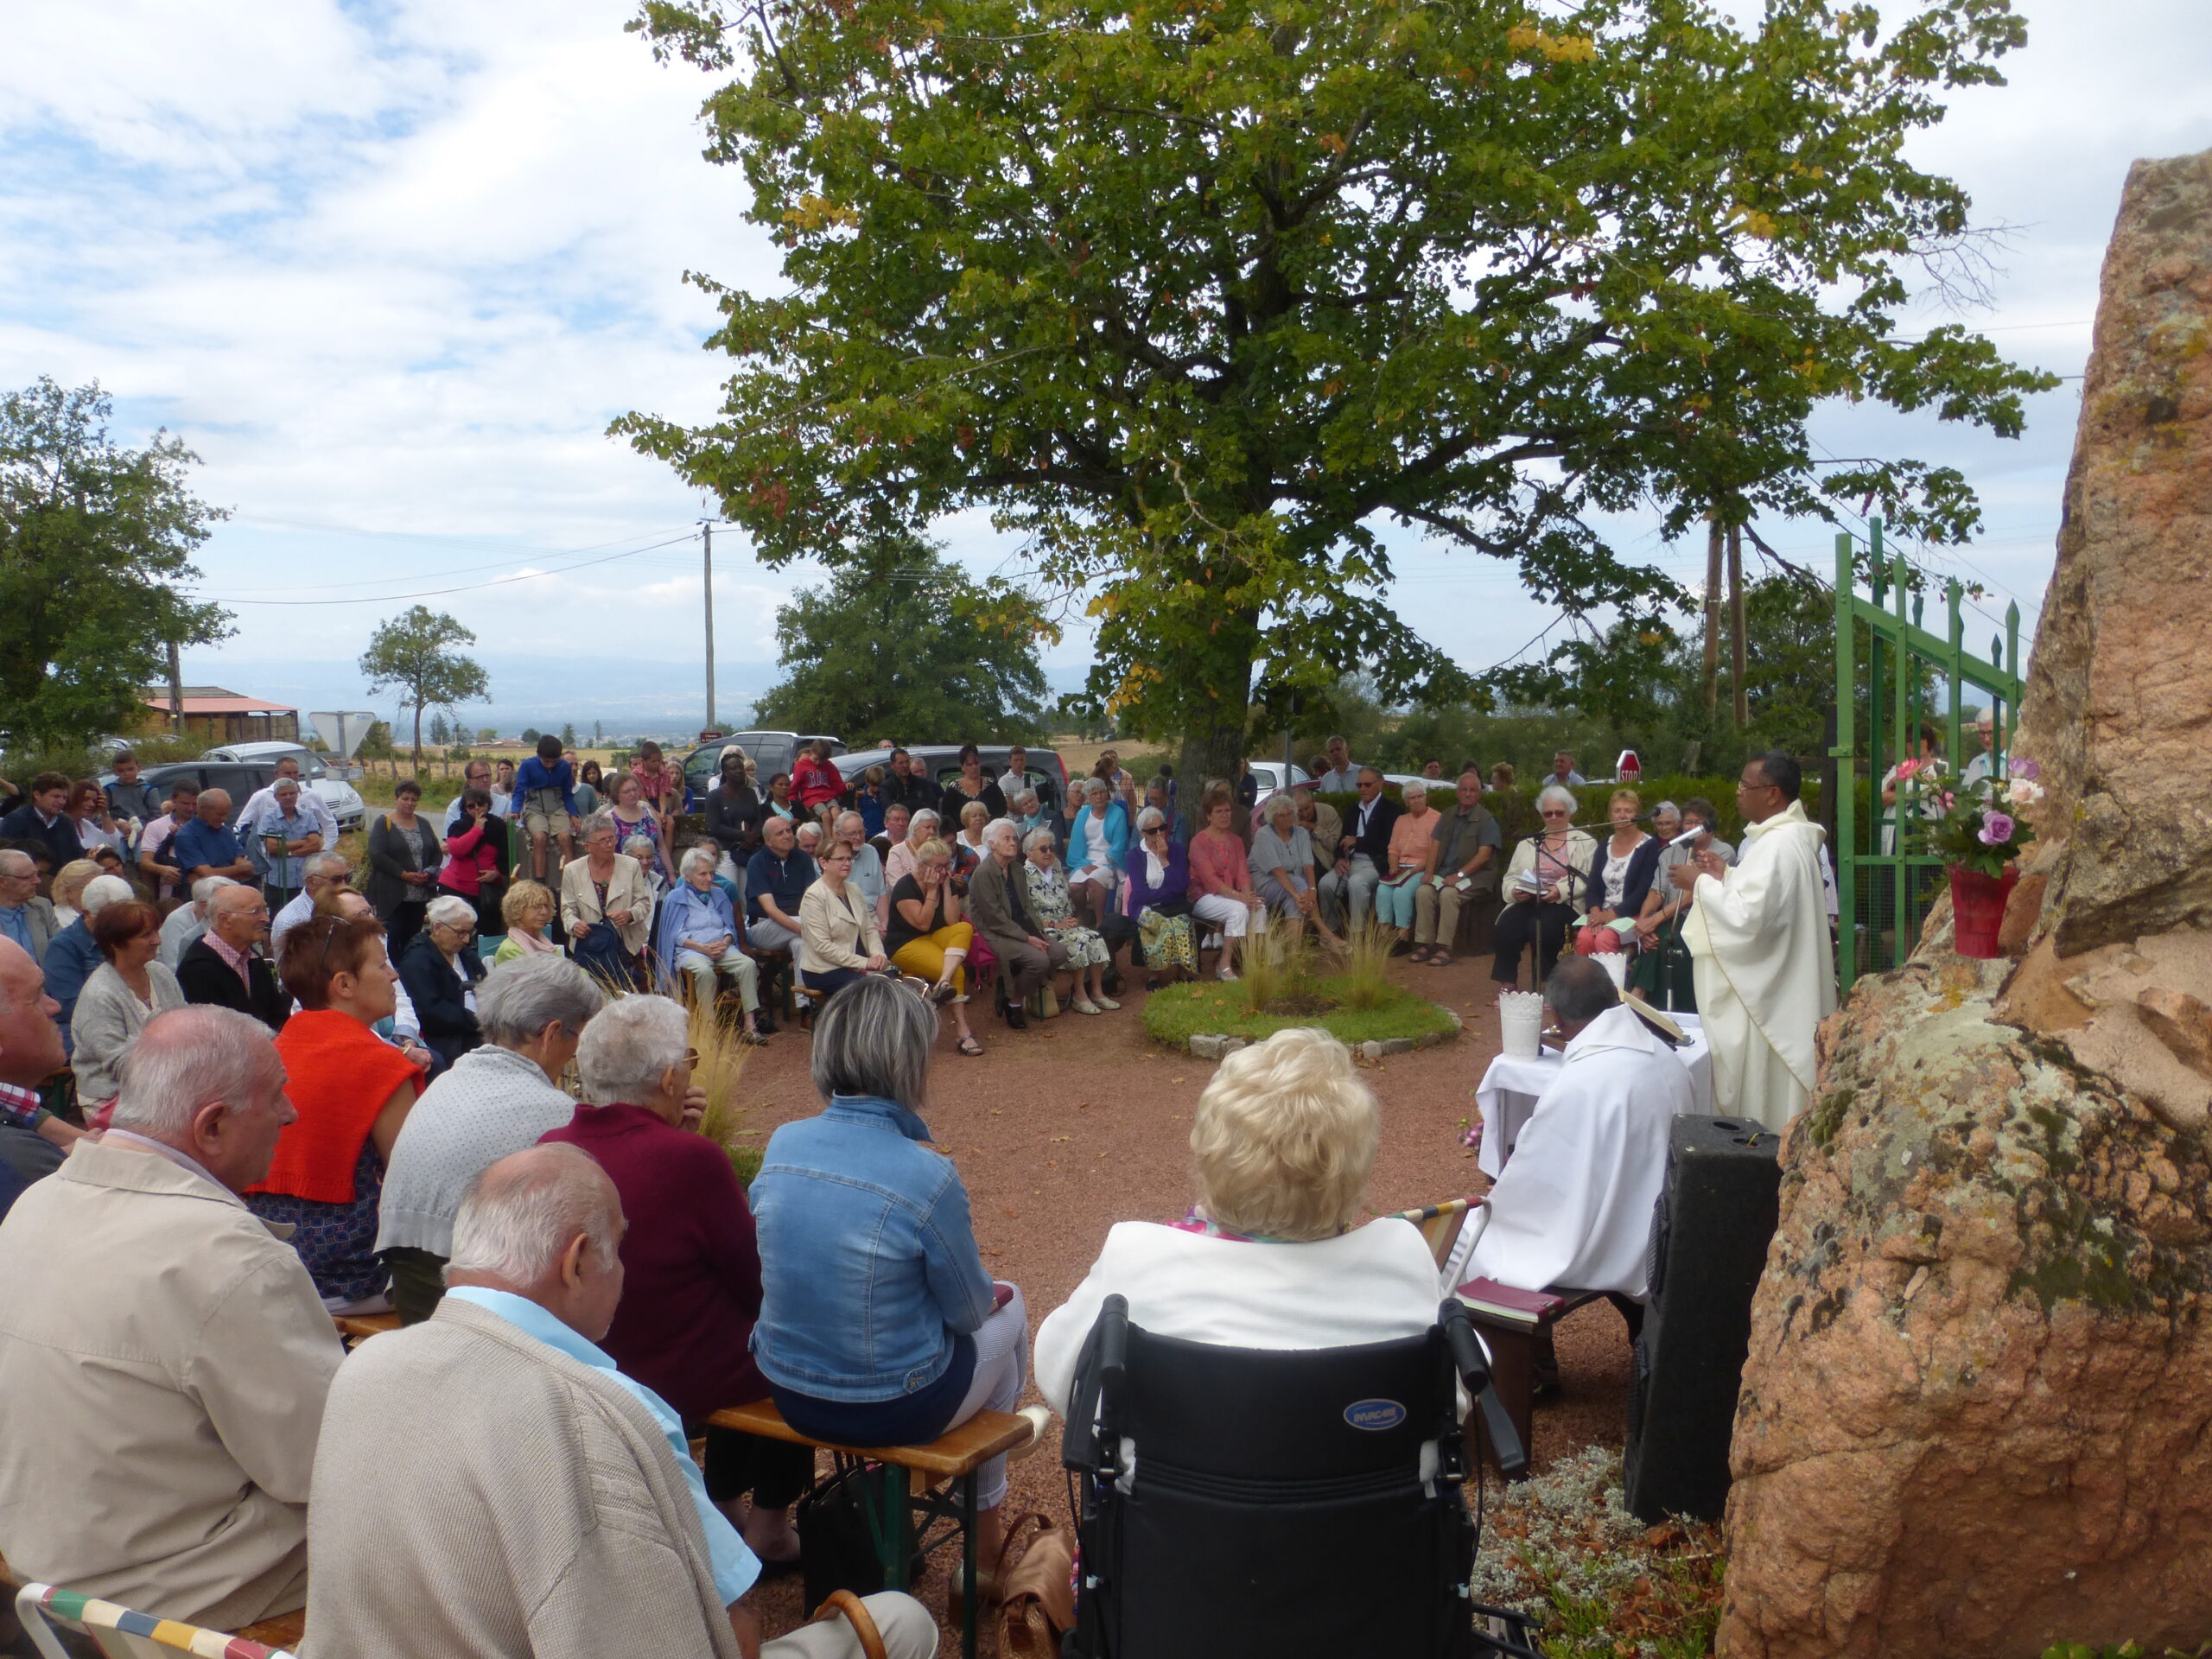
{"type": "Point", "coordinates": [1278, 965]}
{"type": "Point", "coordinates": [1365, 980]}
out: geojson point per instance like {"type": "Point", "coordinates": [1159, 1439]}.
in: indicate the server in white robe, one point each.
{"type": "Point", "coordinates": [1573, 1207]}
{"type": "Point", "coordinates": [1759, 942]}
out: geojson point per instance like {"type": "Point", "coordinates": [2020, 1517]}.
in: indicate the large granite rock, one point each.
{"type": "Point", "coordinates": [1977, 1414]}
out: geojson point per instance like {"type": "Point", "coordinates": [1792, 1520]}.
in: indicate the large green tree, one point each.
{"type": "Point", "coordinates": [1196, 297]}
{"type": "Point", "coordinates": [96, 539]}
{"type": "Point", "coordinates": [901, 641]}
{"type": "Point", "coordinates": [414, 652]}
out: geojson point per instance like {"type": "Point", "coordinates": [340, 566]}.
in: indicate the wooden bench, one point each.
{"type": "Point", "coordinates": [357, 1328]}
{"type": "Point", "coordinates": [896, 1500]}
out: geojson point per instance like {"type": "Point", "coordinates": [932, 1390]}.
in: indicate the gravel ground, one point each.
{"type": "Point", "coordinates": [1077, 1123]}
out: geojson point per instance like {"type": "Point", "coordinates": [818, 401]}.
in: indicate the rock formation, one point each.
{"type": "Point", "coordinates": [1977, 1415]}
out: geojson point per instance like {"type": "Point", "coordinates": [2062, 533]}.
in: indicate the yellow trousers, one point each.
{"type": "Point", "coordinates": [924, 957]}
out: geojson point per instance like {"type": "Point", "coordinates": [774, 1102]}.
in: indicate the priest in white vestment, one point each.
{"type": "Point", "coordinates": [1759, 942]}
{"type": "Point", "coordinates": [1573, 1207]}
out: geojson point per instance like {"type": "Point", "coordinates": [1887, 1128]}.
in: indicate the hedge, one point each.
{"type": "Point", "coordinates": [1515, 808]}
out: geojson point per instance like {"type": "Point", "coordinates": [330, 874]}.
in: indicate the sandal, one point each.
{"type": "Point", "coordinates": [1440, 958]}
{"type": "Point", "coordinates": [970, 1047]}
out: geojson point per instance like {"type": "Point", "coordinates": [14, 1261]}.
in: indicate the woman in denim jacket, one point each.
{"type": "Point", "coordinates": [878, 1325]}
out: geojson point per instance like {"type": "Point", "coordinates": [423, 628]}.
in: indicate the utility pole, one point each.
{"type": "Point", "coordinates": [1713, 537]}
{"type": "Point", "coordinates": [707, 539]}
{"type": "Point", "coordinates": [1737, 650]}
{"type": "Point", "coordinates": [177, 691]}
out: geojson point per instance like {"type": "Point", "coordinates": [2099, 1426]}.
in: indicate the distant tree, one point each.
{"type": "Point", "coordinates": [598, 735]}
{"type": "Point", "coordinates": [569, 734]}
{"type": "Point", "coordinates": [414, 652]}
{"type": "Point", "coordinates": [441, 730]}
{"type": "Point", "coordinates": [529, 733]}
{"type": "Point", "coordinates": [95, 539]}
{"type": "Point", "coordinates": [905, 641]}
{"type": "Point", "coordinates": [377, 745]}
{"type": "Point", "coordinates": [487, 734]}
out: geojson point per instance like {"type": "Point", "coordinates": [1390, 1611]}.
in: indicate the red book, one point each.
{"type": "Point", "coordinates": [1506, 1302]}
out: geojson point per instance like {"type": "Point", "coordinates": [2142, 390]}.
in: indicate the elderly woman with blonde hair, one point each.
{"type": "Point", "coordinates": [1273, 1255]}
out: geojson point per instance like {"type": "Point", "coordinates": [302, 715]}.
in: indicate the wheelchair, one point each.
{"type": "Point", "coordinates": [1283, 1505]}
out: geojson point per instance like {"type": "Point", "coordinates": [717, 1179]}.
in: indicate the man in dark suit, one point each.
{"type": "Point", "coordinates": [40, 818]}
{"type": "Point", "coordinates": [221, 966]}
{"type": "Point", "coordinates": [1362, 852]}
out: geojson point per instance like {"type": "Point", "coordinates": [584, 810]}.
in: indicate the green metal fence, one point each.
{"type": "Point", "coordinates": [1886, 877]}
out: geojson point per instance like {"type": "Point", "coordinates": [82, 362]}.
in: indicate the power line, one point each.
{"type": "Point", "coordinates": [512, 553]}
{"type": "Point", "coordinates": [466, 588]}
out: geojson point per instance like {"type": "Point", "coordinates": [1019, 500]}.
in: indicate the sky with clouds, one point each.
{"type": "Point", "coordinates": [391, 269]}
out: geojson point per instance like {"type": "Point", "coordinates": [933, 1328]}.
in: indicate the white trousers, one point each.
{"type": "Point", "coordinates": [908, 1629]}
{"type": "Point", "coordinates": [1232, 916]}
{"type": "Point", "coordinates": [1000, 1344]}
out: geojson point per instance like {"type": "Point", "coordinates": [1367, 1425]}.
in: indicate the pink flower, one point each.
{"type": "Point", "coordinates": [2024, 767]}
{"type": "Point", "coordinates": [1906, 768]}
{"type": "Point", "coordinates": [1996, 830]}
{"type": "Point", "coordinates": [1947, 800]}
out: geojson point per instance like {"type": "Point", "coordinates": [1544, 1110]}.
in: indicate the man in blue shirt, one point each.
{"type": "Point", "coordinates": [40, 818]}
{"type": "Point", "coordinates": [505, 1402]}
{"type": "Point", "coordinates": [774, 881]}
{"type": "Point", "coordinates": [207, 846]}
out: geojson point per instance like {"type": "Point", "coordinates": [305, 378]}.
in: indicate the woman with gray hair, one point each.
{"type": "Point", "coordinates": [684, 1328]}
{"type": "Point", "coordinates": [442, 968]}
{"type": "Point", "coordinates": [1282, 861]}
{"type": "Point", "coordinates": [879, 1324]}
{"type": "Point", "coordinates": [605, 905]}
{"type": "Point", "coordinates": [1051, 904]}
{"type": "Point", "coordinates": [497, 1099]}
{"type": "Point", "coordinates": [1545, 887]}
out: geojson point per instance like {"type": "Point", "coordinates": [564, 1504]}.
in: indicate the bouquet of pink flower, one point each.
{"type": "Point", "coordinates": [1974, 830]}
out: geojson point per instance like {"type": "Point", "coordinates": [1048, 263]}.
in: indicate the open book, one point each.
{"type": "Point", "coordinates": [1659, 1024]}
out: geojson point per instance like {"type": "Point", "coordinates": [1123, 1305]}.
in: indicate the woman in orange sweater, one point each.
{"type": "Point", "coordinates": [1413, 850]}
{"type": "Point", "coordinates": [352, 1091]}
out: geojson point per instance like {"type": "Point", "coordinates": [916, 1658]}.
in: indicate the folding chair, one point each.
{"type": "Point", "coordinates": [1300, 1504]}
{"type": "Point", "coordinates": [118, 1632]}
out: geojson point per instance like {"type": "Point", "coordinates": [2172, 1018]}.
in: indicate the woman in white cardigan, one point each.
{"type": "Point", "coordinates": [838, 936]}
{"type": "Point", "coordinates": [607, 905]}
{"type": "Point", "coordinates": [1284, 1138]}
{"type": "Point", "coordinates": [119, 997]}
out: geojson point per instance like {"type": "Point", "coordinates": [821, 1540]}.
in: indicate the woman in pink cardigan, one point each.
{"type": "Point", "coordinates": [1221, 881]}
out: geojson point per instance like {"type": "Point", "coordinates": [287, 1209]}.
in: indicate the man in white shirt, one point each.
{"type": "Point", "coordinates": [1984, 730]}
{"type": "Point", "coordinates": [262, 804]}
{"type": "Point", "coordinates": [1563, 773]}
{"type": "Point", "coordinates": [1759, 942]}
{"type": "Point", "coordinates": [1015, 778]}
{"type": "Point", "coordinates": [1573, 1207]}
{"type": "Point", "coordinates": [324, 872]}
{"type": "Point", "coordinates": [188, 921]}
{"type": "Point", "coordinates": [1342, 776]}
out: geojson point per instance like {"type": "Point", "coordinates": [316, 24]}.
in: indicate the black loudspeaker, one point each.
{"type": "Point", "coordinates": [1709, 1235]}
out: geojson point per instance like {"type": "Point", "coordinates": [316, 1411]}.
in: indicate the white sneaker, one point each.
{"type": "Point", "coordinates": [1106, 1003]}
{"type": "Point", "coordinates": [1225, 973]}
{"type": "Point", "coordinates": [1084, 1005]}
{"type": "Point", "coordinates": [1212, 942]}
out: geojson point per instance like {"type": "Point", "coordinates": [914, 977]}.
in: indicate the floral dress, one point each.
{"type": "Point", "coordinates": [1051, 906]}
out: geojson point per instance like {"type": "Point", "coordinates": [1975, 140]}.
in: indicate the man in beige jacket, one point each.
{"type": "Point", "coordinates": [489, 1487]}
{"type": "Point", "coordinates": [167, 1386]}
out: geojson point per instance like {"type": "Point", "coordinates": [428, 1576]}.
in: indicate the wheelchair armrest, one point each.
{"type": "Point", "coordinates": [1099, 1371]}
{"type": "Point", "coordinates": [1472, 1364]}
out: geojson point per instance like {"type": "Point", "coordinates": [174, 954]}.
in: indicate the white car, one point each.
{"type": "Point", "coordinates": [343, 800]}
{"type": "Point", "coordinates": [1270, 774]}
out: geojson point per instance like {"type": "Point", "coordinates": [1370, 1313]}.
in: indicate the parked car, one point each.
{"type": "Point", "coordinates": [237, 778]}
{"type": "Point", "coordinates": [343, 800]}
{"type": "Point", "coordinates": [771, 751]}
{"type": "Point", "coordinates": [1271, 779]}
{"type": "Point", "coordinates": [1046, 772]}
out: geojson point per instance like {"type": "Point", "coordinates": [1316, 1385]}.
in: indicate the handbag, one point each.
{"type": "Point", "coordinates": [839, 1552]}
{"type": "Point", "coordinates": [843, 1604]}
{"type": "Point", "coordinates": [1037, 1594]}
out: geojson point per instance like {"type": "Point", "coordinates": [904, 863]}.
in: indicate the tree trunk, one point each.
{"type": "Point", "coordinates": [1214, 734]}
{"type": "Point", "coordinates": [418, 739]}
{"type": "Point", "coordinates": [1712, 614]}
{"type": "Point", "coordinates": [1739, 671]}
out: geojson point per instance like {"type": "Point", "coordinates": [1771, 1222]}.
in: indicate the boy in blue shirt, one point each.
{"type": "Point", "coordinates": [546, 802]}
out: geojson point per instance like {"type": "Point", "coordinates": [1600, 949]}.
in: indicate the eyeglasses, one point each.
{"type": "Point", "coordinates": [1556, 812]}
{"type": "Point", "coordinates": [692, 1058]}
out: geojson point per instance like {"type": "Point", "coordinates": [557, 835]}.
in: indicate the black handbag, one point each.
{"type": "Point", "coordinates": [839, 1552]}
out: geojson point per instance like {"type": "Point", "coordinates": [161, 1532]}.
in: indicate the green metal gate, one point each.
{"type": "Point", "coordinates": [1886, 877]}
